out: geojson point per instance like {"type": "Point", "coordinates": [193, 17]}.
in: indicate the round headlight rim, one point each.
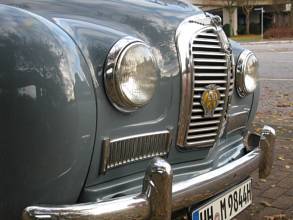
{"type": "Point", "coordinates": [118, 65]}
{"type": "Point", "coordinates": [113, 62]}
{"type": "Point", "coordinates": [240, 72]}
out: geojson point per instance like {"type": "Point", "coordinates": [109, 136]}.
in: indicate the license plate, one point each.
{"type": "Point", "coordinates": [227, 205]}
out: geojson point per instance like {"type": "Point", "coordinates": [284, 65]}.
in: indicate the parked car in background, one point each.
{"type": "Point", "coordinates": [127, 109]}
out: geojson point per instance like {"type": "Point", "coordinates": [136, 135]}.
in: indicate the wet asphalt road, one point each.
{"type": "Point", "coordinates": [276, 79]}
{"type": "Point", "coordinates": [276, 60]}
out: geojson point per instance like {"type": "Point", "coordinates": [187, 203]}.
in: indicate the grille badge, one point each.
{"type": "Point", "coordinates": [210, 100]}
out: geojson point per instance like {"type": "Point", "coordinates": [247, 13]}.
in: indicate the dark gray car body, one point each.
{"type": "Point", "coordinates": [54, 112]}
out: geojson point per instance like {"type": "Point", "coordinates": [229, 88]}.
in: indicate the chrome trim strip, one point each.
{"type": "Point", "coordinates": [139, 135]}
{"type": "Point", "coordinates": [237, 121]}
{"type": "Point", "coordinates": [159, 198]}
{"type": "Point", "coordinates": [183, 37]}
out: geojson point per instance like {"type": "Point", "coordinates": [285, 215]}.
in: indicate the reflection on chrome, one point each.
{"type": "Point", "coordinates": [29, 91]}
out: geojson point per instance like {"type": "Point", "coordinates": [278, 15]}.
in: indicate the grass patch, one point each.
{"type": "Point", "coordinates": [247, 38]}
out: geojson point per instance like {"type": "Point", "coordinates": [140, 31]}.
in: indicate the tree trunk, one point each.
{"type": "Point", "coordinates": [291, 14]}
{"type": "Point", "coordinates": [278, 20]}
{"type": "Point", "coordinates": [247, 21]}
{"type": "Point", "coordinates": [231, 10]}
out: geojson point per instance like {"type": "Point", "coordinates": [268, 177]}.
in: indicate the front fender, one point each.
{"type": "Point", "coordinates": [47, 113]}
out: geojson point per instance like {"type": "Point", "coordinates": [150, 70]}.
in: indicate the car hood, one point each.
{"type": "Point", "coordinates": [141, 16]}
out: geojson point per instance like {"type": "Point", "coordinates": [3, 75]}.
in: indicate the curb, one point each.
{"type": "Point", "coordinates": [267, 42]}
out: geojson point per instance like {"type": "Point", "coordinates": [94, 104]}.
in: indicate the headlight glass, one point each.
{"type": "Point", "coordinates": [132, 80]}
{"type": "Point", "coordinates": [247, 73]}
{"type": "Point", "coordinates": [137, 75]}
{"type": "Point", "coordinates": [251, 74]}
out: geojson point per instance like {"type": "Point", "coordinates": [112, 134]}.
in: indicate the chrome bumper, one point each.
{"type": "Point", "coordinates": [159, 197]}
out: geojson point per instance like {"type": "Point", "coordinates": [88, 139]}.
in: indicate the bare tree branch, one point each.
{"type": "Point", "coordinates": [247, 6]}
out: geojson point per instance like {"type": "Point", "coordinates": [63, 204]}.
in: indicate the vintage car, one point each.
{"type": "Point", "coordinates": [125, 109]}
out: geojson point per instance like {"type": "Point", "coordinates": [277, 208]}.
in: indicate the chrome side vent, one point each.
{"type": "Point", "coordinates": [122, 151]}
{"type": "Point", "coordinates": [211, 66]}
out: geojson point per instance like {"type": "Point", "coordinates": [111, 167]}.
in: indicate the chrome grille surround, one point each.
{"type": "Point", "coordinates": [205, 59]}
{"type": "Point", "coordinates": [121, 151]}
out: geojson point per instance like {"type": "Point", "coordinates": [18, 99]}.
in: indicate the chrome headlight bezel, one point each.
{"type": "Point", "coordinates": [242, 88]}
{"type": "Point", "coordinates": [113, 65]}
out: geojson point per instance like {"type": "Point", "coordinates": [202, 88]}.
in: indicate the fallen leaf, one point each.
{"type": "Point", "coordinates": [265, 203]}
{"type": "Point", "coordinates": [276, 217]}
{"type": "Point", "coordinates": [283, 105]}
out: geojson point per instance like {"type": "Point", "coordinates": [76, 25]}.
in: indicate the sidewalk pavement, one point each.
{"type": "Point", "coordinates": [267, 42]}
{"type": "Point", "coordinates": [273, 197]}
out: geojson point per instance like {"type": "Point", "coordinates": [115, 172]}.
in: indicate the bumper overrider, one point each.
{"type": "Point", "coordinates": [159, 197]}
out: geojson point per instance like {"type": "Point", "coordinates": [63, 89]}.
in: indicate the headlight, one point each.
{"type": "Point", "coordinates": [247, 73]}
{"type": "Point", "coordinates": [131, 74]}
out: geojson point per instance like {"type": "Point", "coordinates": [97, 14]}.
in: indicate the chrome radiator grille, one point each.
{"type": "Point", "coordinates": [118, 152]}
{"type": "Point", "coordinates": [211, 65]}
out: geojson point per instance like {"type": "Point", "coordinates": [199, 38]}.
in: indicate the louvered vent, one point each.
{"type": "Point", "coordinates": [126, 150]}
{"type": "Point", "coordinates": [211, 65]}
